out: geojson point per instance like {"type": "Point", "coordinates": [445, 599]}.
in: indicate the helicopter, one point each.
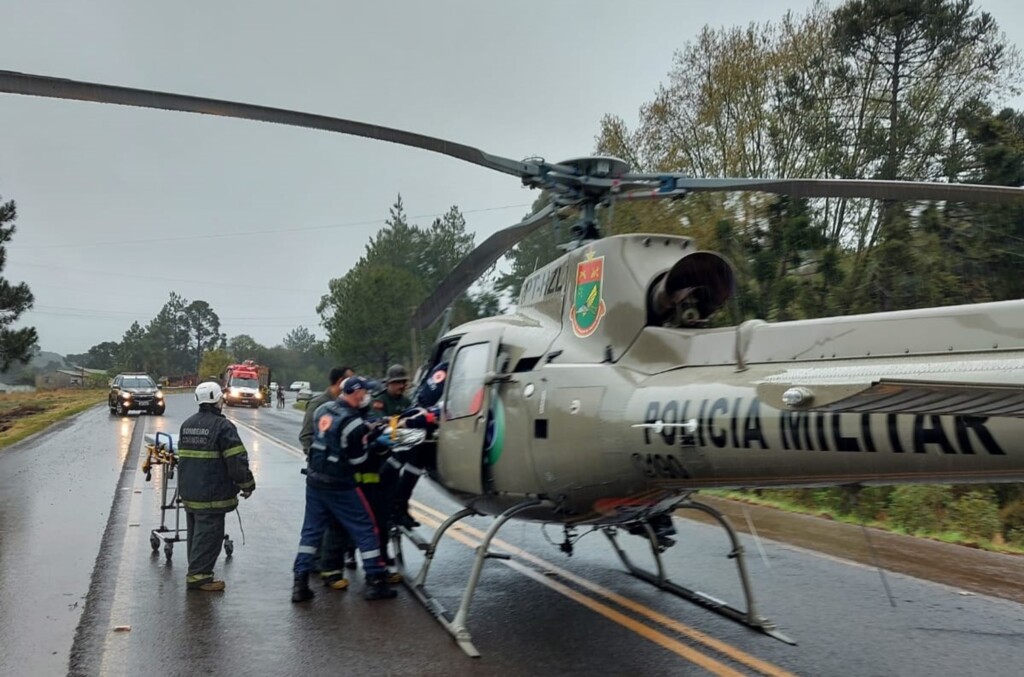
{"type": "Point", "coordinates": [607, 399]}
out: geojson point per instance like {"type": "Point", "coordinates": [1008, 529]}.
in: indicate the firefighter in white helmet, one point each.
{"type": "Point", "coordinates": [213, 468]}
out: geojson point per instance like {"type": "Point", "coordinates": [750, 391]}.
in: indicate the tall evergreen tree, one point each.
{"type": "Point", "coordinates": [134, 353]}
{"type": "Point", "coordinates": [300, 340]}
{"type": "Point", "coordinates": [16, 345]}
{"type": "Point", "coordinates": [366, 312]}
{"type": "Point", "coordinates": [168, 338]}
{"type": "Point", "coordinates": [204, 330]}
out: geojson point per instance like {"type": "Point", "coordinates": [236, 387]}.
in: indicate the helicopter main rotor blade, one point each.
{"type": "Point", "coordinates": [60, 88]}
{"type": "Point", "coordinates": [474, 265]}
{"type": "Point", "coordinates": [671, 185]}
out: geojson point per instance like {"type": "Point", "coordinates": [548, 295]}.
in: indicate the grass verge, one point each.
{"type": "Point", "coordinates": [24, 414]}
{"type": "Point", "coordinates": [952, 537]}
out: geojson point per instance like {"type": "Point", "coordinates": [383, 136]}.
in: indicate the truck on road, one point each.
{"type": "Point", "coordinates": [246, 384]}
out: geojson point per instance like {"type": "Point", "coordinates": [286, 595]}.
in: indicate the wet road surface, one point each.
{"type": "Point", "coordinates": [56, 491]}
{"type": "Point", "coordinates": [540, 613]}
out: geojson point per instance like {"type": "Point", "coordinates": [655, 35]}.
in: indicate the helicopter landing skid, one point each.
{"type": "Point", "coordinates": [455, 625]}
{"type": "Point", "coordinates": [749, 618]}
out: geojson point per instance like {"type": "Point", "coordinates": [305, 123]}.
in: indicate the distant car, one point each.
{"type": "Point", "coordinates": [299, 385]}
{"type": "Point", "coordinates": [135, 392]}
{"type": "Point", "coordinates": [305, 395]}
{"type": "Point", "coordinates": [273, 386]}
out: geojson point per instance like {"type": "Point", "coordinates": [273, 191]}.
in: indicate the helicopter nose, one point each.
{"type": "Point", "coordinates": [688, 294]}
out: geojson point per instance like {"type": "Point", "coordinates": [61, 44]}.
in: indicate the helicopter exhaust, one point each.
{"type": "Point", "coordinates": [691, 291]}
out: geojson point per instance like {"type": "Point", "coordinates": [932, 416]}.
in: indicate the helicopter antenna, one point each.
{"type": "Point", "coordinates": [757, 538]}
{"type": "Point", "coordinates": [446, 323]}
{"type": "Point", "coordinates": [878, 565]}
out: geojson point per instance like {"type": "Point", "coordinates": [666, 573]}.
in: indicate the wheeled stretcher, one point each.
{"type": "Point", "coordinates": [162, 450]}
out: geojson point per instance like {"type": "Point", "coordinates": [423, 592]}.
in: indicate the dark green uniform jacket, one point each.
{"type": "Point", "coordinates": [213, 465]}
{"type": "Point", "coordinates": [306, 434]}
{"type": "Point", "coordinates": [386, 405]}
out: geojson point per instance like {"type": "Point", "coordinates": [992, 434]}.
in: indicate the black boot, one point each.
{"type": "Point", "coordinates": [300, 588]}
{"type": "Point", "coordinates": [377, 588]}
{"type": "Point", "coordinates": [404, 519]}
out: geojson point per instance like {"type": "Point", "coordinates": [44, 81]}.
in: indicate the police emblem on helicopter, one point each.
{"type": "Point", "coordinates": [588, 305]}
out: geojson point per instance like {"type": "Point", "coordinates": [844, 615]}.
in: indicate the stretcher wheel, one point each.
{"type": "Point", "coordinates": [229, 546]}
{"type": "Point", "coordinates": [168, 550]}
{"type": "Point", "coordinates": [154, 541]}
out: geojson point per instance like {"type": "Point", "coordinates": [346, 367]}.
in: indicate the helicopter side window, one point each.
{"type": "Point", "coordinates": [464, 396]}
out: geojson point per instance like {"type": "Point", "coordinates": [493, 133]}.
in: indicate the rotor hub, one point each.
{"type": "Point", "coordinates": [584, 183]}
{"type": "Point", "coordinates": [598, 166]}
{"type": "Point", "coordinates": [580, 181]}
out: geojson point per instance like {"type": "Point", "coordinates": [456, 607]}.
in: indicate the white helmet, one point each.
{"type": "Point", "coordinates": [209, 392]}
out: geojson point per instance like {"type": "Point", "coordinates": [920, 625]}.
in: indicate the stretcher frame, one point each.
{"type": "Point", "coordinates": [162, 450]}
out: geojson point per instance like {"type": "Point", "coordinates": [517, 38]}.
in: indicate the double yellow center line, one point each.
{"type": "Point", "coordinates": [546, 574]}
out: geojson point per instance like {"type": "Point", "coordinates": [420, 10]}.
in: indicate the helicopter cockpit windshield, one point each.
{"type": "Point", "coordinates": [466, 381]}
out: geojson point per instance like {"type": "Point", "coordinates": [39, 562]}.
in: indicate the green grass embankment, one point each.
{"type": "Point", "coordinates": [938, 529]}
{"type": "Point", "coordinates": [24, 414]}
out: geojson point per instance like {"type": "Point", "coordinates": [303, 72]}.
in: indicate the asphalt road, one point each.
{"type": "Point", "coordinates": [56, 492]}
{"type": "Point", "coordinates": [75, 529]}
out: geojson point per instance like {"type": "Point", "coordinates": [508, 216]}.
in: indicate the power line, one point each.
{"type": "Point", "coordinates": [122, 322]}
{"type": "Point", "coordinates": [105, 312]}
{"type": "Point", "coordinates": [210, 236]}
{"type": "Point", "coordinates": [147, 276]}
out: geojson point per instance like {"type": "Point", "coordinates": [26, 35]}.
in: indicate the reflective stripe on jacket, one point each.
{"type": "Point", "coordinates": [337, 446]}
{"type": "Point", "coordinates": [213, 465]}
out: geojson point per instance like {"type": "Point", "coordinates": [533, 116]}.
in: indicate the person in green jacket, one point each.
{"type": "Point", "coordinates": [392, 401]}
{"type": "Point", "coordinates": [213, 468]}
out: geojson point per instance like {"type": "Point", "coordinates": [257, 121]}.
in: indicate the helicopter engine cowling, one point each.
{"type": "Point", "coordinates": [691, 291]}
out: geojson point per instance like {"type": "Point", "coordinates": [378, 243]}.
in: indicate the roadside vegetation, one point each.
{"type": "Point", "coordinates": [23, 414]}
{"type": "Point", "coordinates": [979, 516]}
{"type": "Point", "coordinates": [184, 339]}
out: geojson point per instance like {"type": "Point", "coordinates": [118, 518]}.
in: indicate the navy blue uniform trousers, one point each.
{"type": "Point", "coordinates": [350, 508]}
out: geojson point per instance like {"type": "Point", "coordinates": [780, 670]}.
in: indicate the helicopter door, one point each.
{"type": "Point", "coordinates": [463, 429]}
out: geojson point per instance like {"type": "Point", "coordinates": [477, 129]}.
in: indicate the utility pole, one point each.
{"type": "Point", "coordinates": [414, 362]}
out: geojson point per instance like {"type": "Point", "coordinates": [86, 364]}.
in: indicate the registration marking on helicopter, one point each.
{"type": "Point", "coordinates": [469, 536]}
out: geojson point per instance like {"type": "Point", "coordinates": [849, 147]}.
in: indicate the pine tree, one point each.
{"type": "Point", "coordinates": [16, 345]}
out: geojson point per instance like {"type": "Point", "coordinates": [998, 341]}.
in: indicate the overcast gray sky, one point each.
{"type": "Point", "coordinates": [118, 207]}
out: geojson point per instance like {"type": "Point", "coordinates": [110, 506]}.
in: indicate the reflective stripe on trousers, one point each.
{"type": "Point", "coordinates": [349, 507]}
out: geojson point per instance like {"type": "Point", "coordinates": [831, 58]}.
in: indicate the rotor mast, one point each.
{"type": "Point", "coordinates": [584, 183]}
